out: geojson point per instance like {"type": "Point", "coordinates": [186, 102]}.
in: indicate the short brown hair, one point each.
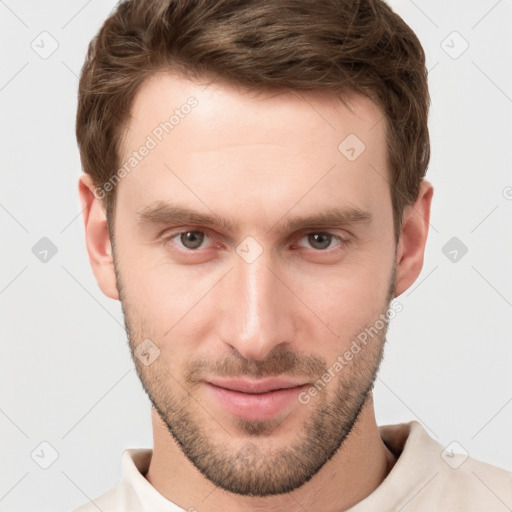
{"type": "Point", "coordinates": [337, 45]}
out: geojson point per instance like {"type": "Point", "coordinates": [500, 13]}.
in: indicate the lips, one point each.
{"type": "Point", "coordinates": [258, 399]}
{"type": "Point", "coordinates": [256, 387]}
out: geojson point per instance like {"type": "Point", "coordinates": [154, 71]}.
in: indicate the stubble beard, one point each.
{"type": "Point", "coordinates": [250, 469]}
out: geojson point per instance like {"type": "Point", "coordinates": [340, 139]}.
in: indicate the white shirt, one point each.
{"type": "Point", "coordinates": [423, 479]}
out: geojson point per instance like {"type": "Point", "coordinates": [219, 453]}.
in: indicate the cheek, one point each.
{"type": "Point", "coordinates": [174, 302]}
{"type": "Point", "coordinates": [346, 298]}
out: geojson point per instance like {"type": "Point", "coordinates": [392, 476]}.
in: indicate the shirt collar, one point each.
{"type": "Point", "coordinates": [416, 452]}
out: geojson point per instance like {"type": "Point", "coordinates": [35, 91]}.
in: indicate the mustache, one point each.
{"type": "Point", "coordinates": [275, 364]}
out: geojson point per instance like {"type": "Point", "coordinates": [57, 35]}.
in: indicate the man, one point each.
{"type": "Point", "coordinates": [254, 195]}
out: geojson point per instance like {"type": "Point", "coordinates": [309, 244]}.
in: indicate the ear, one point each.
{"type": "Point", "coordinates": [97, 237]}
{"type": "Point", "coordinates": [413, 238]}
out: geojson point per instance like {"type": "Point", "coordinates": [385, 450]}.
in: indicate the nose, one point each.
{"type": "Point", "coordinates": [257, 308]}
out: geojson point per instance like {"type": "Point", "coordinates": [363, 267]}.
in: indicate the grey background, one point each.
{"type": "Point", "coordinates": [67, 378]}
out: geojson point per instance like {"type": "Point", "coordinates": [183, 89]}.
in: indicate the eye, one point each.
{"type": "Point", "coordinates": [189, 239]}
{"type": "Point", "coordinates": [321, 240]}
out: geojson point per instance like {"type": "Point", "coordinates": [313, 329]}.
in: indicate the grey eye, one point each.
{"type": "Point", "coordinates": [192, 239]}
{"type": "Point", "coordinates": [320, 240]}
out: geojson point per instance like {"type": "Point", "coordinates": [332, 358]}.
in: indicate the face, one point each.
{"type": "Point", "coordinates": [252, 255]}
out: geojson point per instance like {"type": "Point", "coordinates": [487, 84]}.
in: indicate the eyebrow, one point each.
{"type": "Point", "coordinates": [161, 212]}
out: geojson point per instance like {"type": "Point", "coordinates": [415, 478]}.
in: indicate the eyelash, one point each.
{"type": "Point", "coordinates": [342, 240]}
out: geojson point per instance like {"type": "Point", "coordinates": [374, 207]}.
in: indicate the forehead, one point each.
{"type": "Point", "coordinates": [219, 105]}
{"type": "Point", "coordinates": [220, 144]}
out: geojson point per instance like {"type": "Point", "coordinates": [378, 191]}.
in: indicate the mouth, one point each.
{"type": "Point", "coordinates": [257, 399]}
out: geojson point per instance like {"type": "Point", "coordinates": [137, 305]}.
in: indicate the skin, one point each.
{"type": "Point", "coordinates": [257, 160]}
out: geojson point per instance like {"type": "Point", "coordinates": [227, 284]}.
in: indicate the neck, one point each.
{"type": "Point", "coordinates": [353, 473]}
